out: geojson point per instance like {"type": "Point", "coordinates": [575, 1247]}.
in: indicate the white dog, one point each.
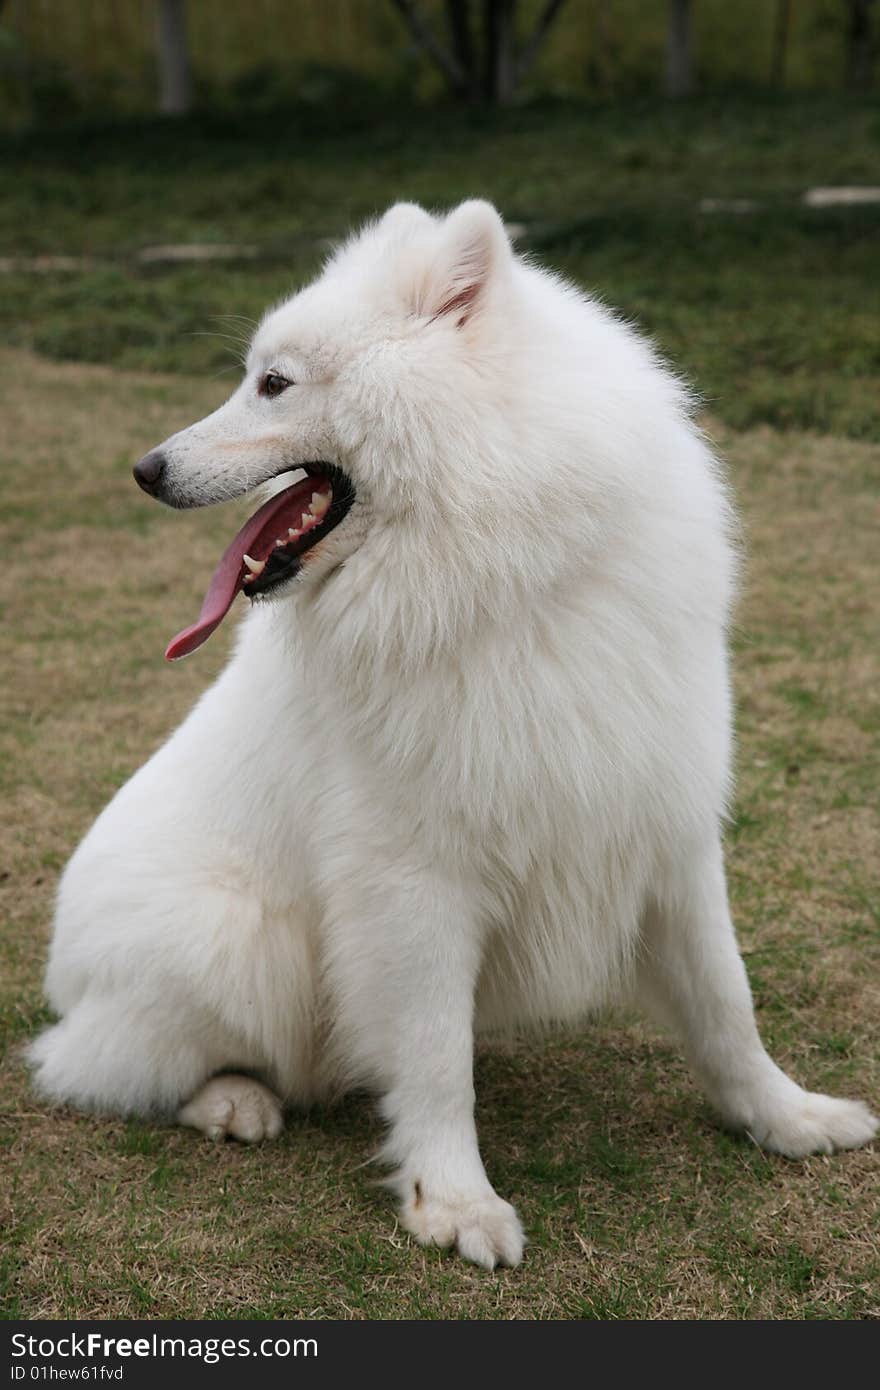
{"type": "Point", "coordinates": [467, 767]}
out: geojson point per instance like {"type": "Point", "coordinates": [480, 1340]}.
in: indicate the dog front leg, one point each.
{"type": "Point", "coordinates": [405, 979]}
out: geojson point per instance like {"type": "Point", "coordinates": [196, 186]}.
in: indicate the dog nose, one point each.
{"type": "Point", "coordinates": [148, 471]}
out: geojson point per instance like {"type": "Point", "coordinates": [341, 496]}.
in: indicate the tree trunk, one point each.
{"type": "Point", "coordinates": [859, 49]}
{"type": "Point", "coordinates": [600, 71]}
{"type": "Point", "coordinates": [459, 21]}
{"type": "Point", "coordinates": [175, 81]}
{"type": "Point", "coordinates": [781, 31]}
{"type": "Point", "coordinates": [679, 64]}
{"type": "Point", "coordinates": [499, 22]}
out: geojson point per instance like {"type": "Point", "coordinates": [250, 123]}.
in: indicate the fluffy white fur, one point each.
{"type": "Point", "coordinates": [467, 772]}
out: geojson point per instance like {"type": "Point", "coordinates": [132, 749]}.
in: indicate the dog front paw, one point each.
{"type": "Point", "coordinates": [484, 1229]}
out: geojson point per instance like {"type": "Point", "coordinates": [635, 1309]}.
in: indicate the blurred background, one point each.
{"type": "Point", "coordinates": [712, 169]}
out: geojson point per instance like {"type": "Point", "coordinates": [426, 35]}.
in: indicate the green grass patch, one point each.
{"type": "Point", "coordinates": [771, 314]}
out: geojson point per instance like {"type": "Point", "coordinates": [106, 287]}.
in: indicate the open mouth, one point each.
{"type": "Point", "coordinates": [269, 548]}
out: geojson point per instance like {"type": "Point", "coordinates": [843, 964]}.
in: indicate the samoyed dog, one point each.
{"type": "Point", "coordinates": [467, 768]}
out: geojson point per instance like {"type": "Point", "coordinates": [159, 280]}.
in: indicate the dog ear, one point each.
{"type": "Point", "coordinates": [474, 251]}
{"type": "Point", "coordinates": [406, 217]}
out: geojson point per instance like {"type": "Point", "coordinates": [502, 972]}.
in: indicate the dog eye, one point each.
{"type": "Point", "coordinates": [272, 384]}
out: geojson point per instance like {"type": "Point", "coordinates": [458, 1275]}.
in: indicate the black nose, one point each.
{"type": "Point", "coordinates": [148, 471]}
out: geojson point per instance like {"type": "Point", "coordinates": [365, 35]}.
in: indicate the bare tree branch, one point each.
{"type": "Point", "coordinates": [426, 40]}
{"type": "Point", "coordinates": [461, 63]}
{"type": "Point", "coordinates": [542, 28]}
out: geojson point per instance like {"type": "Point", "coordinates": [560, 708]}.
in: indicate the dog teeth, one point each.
{"type": "Point", "coordinates": [315, 512]}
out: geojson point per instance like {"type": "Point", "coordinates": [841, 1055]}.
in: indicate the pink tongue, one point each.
{"type": "Point", "coordinates": [255, 537]}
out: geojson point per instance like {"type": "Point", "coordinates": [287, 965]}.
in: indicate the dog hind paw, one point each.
{"type": "Point", "coordinates": [236, 1107]}
{"type": "Point", "coordinates": [815, 1123]}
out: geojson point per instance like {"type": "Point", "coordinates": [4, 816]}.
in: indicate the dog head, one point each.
{"type": "Point", "coordinates": [383, 407]}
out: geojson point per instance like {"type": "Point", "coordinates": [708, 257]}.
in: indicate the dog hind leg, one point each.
{"type": "Point", "coordinates": [117, 1053]}
{"type": "Point", "coordinates": [692, 977]}
{"type": "Point", "coordinates": [236, 1107]}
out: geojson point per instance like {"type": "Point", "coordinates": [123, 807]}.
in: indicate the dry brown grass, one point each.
{"type": "Point", "coordinates": [636, 1205]}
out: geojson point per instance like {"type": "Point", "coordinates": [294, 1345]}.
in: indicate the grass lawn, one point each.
{"type": "Point", "coordinates": [775, 313]}
{"type": "Point", "coordinates": [636, 1205]}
